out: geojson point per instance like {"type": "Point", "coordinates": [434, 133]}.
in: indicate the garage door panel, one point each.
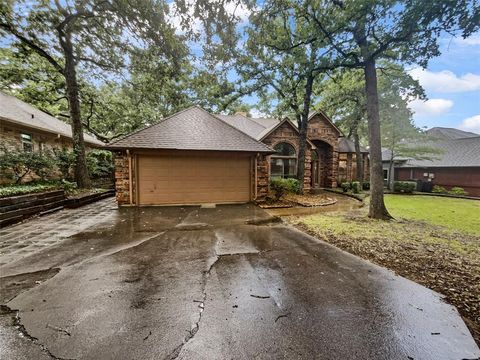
{"type": "Point", "coordinates": [193, 178]}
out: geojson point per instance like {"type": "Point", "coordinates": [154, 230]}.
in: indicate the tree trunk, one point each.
{"type": "Point", "coordinates": [303, 130]}
{"type": "Point", "coordinates": [81, 172]}
{"type": "Point", "coordinates": [302, 152]}
{"type": "Point", "coordinates": [377, 209]}
{"type": "Point", "coordinates": [359, 157]}
{"type": "Point", "coordinates": [389, 178]}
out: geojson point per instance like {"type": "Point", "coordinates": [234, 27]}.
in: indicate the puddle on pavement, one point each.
{"type": "Point", "coordinates": [343, 204]}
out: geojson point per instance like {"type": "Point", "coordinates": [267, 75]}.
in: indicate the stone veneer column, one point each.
{"type": "Point", "coordinates": [262, 178]}
{"type": "Point", "coordinates": [121, 178]}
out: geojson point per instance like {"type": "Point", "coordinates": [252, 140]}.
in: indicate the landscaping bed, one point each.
{"type": "Point", "coordinates": [291, 200]}
{"type": "Point", "coordinates": [436, 244]}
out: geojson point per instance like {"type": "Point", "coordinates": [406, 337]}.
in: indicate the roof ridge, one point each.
{"type": "Point", "coordinates": [151, 125]}
{"type": "Point", "coordinates": [233, 127]}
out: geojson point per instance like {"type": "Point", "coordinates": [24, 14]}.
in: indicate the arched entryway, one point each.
{"type": "Point", "coordinates": [322, 164]}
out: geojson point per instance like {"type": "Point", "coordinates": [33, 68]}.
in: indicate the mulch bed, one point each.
{"type": "Point", "coordinates": [292, 200]}
{"type": "Point", "coordinates": [452, 272]}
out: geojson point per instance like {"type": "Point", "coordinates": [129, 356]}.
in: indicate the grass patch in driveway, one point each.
{"type": "Point", "coordinates": [444, 258]}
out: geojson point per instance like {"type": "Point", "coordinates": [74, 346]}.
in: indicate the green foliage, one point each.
{"type": "Point", "coordinates": [366, 185]}
{"type": "Point", "coordinates": [64, 160]}
{"type": "Point", "coordinates": [69, 186]}
{"type": "Point", "coordinates": [100, 164]}
{"type": "Point", "coordinates": [15, 190]}
{"type": "Point", "coordinates": [346, 186]}
{"type": "Point", "coordinates": [280, 187]}
{"type": "Point", "coordinates": [456, 190]}
{"type": "Point", "coordinates": [439, 189]}
{"type": "Point", "coordinates": [18, 163]}
{"type": "Point", "coordinates": [356, 188]}
{"type": "Point", "coordinates": [404, 186]}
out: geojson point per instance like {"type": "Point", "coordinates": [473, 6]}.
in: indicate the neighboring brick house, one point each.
{"type": "Point", "coordinates": [456, 164]}
{"type": "Point", "coordinates": [24, 127]}
{"type": "Point", "coordinates": [197, 157]}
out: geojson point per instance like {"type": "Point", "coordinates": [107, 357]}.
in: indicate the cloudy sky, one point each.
{"type": "Point", "coordinates": [452, 84]}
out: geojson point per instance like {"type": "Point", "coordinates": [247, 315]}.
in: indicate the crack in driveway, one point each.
{"type": "Point", "coordinates": [15, 314]}
{"type": "Point", "coordinates": [206, 274]}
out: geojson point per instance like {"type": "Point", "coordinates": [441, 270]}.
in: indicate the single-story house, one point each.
{"type": "Point", "coordinates": [456, 164]}
{"type": "Point", "coordinates": [22, 126]}
{"type": "Point", "coordinates": [195, 157]}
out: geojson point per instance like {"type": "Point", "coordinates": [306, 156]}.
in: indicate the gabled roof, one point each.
{"type": "Point", "coordinates": [16, 111]}
{"type": "Point", "coordinates": [255, 127]}
{"type": "Point", "coordinates": [326, 117]}
{"type": "Point", "coordinates": [191, 129]}
{"type": "Point", "coordinates": [346, 145]}
{"type": "Point", "coordinates": [443, 133]}
{"type": "Point", "coordinates": [453, 153]}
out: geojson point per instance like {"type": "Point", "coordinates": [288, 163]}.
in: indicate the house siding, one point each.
{"type": "Point", "coordinates": [467, 178]}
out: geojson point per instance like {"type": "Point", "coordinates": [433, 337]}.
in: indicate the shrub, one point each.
{"type": "Point", "coordinates": [64, 160]}
{"type": "Point", "coordinates": [346, 186]}
{"type": "Point", "coordinates": [280, 187]}
{"type": "Point", "coordinates": [15, 190]}
{"type": "Point", "coordinates": [100, 164]}
{"type": "Point", "coordinates": [19, 163]}
{"type": "Point", "coordinates": [69, 186]}
{"type": "Point", "coordinates": [404, 186]}
{"type": "Point", "coordinates": [366, 185]}
{"type": "Point", "coordinates": [456, 190]}
{"type": "Point", "coordinates": [439, 189]}
{"type": "Point", "coordinates": [356, 187]}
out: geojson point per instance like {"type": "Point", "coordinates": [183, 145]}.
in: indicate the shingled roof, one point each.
{"type": "Point", "coordinates": [191, 129]}
{"type": "Point", "coordinates": [443, 133]}
{"type": "Point", "coordinates": [454, 153]}
{"type": "Point", "coordinates": [16, 111]}
{"type": "Point", "coordinates": [348, 146]}
{"type": "Point", "coordinates": [255, 127]}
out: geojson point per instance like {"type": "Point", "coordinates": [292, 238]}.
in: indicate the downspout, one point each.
{"type": "Point", "coordinates": [130, 185]}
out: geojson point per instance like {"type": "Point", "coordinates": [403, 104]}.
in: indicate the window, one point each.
{"type": "Point", "coordinates": [385, 174]}
{"type": "Point", "coordinates": [27, 143]}
{"type": "Point", "coordinates": [283, 164]}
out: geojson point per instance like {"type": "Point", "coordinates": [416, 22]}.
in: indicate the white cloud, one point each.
{"type": "Point", "coordinates": [431, 107]}
{"type": "Point", "coordinates": [446, 81]}
{"type": "Point", "coordinates": [471, 124]}
{"type": "Point", "coordinates": [470, 41]}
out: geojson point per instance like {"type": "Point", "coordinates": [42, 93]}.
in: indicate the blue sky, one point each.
{"type": "Point", "coordinates": [452, 84]}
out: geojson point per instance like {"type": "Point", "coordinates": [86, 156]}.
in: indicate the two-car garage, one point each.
{"type": "Point", "coordinates": [191, 157]}
{"type": "Point", "coordinates": [193, 177]}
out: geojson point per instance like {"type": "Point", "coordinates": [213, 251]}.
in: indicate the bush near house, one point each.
{"type": "Point", "coordinates": [456, 190]}
{"type": "Point", "coordinates": [346, 186]}
{"type": "Point", "coordinates": [15, 190]}
{"type": "Point", "coordinates": [356, 188]}
{"type": "Point", "coordinates": [437, 189]}
{"type": "Point", "coordinates": [17, 164]}
{"type": "Point", "coordinates": [366, 185]}
{"type": "Point", "coordinates": [406, 187]}
{"type": "Point", "coordinates": [280, 187]}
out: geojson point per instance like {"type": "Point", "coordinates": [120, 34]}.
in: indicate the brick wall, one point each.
{"type": "Point", "coordinates": [262, 177]}
{"type": "Point", "coordinates": [121, 178]}
{"type": "Point", "coordinates": [286, 133]}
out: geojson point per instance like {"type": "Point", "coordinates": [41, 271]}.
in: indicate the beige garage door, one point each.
{"type": "Point", "coordinates": [193, 178]}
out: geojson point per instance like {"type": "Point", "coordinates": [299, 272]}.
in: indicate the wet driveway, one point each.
{"type": "Point", "coordinates": [222, 283]}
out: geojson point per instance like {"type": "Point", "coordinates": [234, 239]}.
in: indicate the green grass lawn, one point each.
{"type": "Point", "coordinates": [455, 214]}
{"type": "Point", "coordinates": [434, 241]}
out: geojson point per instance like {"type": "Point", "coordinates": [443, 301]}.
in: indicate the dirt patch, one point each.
{"type": "Point", "coordinates": [445, 261]}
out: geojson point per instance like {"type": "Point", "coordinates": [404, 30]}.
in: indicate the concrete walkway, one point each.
{"type": "Point", "coordinates": [191, 283]}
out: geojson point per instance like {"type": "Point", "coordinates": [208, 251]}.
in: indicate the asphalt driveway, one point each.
{"type": "Point", "coordinates": [194, 283]}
